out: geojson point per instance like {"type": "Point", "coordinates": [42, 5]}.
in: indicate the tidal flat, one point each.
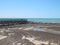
{"type": "Point", "coordinates": [32, 34]}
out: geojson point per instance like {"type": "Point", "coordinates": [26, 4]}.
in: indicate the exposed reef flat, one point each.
{"type": "Point", "coordinates": [32, 34]}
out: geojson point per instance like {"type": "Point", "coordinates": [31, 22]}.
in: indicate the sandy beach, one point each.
{"type": "Point", "coordinates": [42, 34]}
{"type": "Point", "coordinates": [34, 34]}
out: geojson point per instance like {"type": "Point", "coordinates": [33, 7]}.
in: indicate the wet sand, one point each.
{"type": "Point", "coordinates": [16, 33]}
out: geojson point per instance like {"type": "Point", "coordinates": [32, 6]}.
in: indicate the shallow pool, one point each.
{"type": "Point", "coordinates": [39, 29]}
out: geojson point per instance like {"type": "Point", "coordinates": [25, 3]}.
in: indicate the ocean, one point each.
{"type": "Point", "coordinates": [44, 20]}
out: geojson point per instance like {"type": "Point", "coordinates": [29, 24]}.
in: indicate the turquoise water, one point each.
{"type": "Point", "coordinates": [44, 20]}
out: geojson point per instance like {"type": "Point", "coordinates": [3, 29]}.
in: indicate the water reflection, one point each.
{"type": "Point", "coordinates": [39, 29]}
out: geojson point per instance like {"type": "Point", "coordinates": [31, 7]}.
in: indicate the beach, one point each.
{"type": "Point", "coordinates": [24, 32]}
{"type": "Point", "coordinates": [37, 34]}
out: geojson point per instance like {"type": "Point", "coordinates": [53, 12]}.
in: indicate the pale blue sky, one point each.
{"type": "Point", "coordinates": [29, 8]}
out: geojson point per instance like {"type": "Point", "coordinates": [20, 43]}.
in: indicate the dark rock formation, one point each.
{"type": "Point", "coordinates": [13, 22]}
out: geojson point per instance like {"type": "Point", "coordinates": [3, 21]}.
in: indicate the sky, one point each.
{"type": "Point", "coordinates": [29, 8]}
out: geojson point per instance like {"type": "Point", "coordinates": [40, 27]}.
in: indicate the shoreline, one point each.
{"type": "Point", "coordinates": [17, 31]}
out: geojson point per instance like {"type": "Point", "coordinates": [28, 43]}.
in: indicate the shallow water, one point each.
{"type": "Point", "coordinates": [39, 29]}
{"type": "Point", "coordinates": [45, 20]}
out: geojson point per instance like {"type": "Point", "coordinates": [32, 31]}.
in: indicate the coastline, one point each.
{"type": "Point", "coordinates": [48, 34]}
